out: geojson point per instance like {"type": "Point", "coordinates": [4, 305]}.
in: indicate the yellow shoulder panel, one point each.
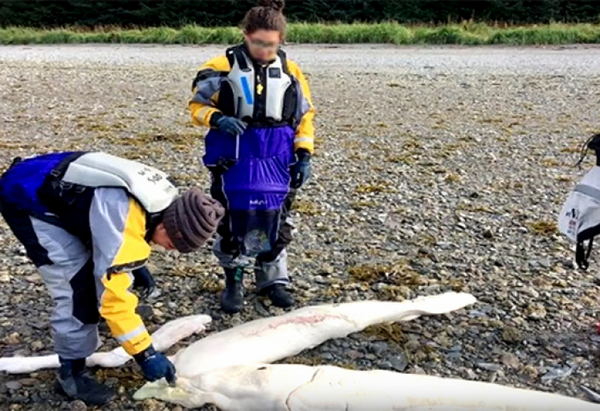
{"type": "Point", "coordinates": [134, 248]}
{"type": "Point", "coordinates": [220, 63]}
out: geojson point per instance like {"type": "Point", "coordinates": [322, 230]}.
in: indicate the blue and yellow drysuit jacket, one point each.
{"type": "Point", "coordinates": [108, 221]}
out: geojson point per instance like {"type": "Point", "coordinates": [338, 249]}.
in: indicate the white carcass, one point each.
{"type": "Point", "coordinates": [266, 340]}
{"type": "Point", "coordinates": [275, 338]}
{"type": "Point", "coordinates": [290, 387]}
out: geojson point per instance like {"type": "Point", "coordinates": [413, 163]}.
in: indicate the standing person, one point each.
{"type": "Point", "coordinates": [258, 105]}
{"type": "Point", "coordinates": [86, 221]}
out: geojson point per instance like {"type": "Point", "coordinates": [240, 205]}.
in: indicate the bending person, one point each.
{"type": "Point", "coordinates": [86, 221]}
{"type": "Point", "coordinates": [258, 105]}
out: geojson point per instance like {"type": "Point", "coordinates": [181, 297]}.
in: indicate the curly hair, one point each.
{"type": "Point", "coordinates": [268, 15]}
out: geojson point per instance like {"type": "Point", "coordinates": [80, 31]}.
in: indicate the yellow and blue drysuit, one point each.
{"type": "Point", "coordinates": [251, 172]}
{"type": "Point", "coordinates": [85, 241]}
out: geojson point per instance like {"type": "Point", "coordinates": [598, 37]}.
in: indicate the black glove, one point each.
{"type": "Point", "coordinates": [155, 365]}
{"type": "Point", "coordinates": [300, 170]}
{"type": "Point", "coordinates": [229, 125]}
{"type": "Point", "coordinates": [143, 281]}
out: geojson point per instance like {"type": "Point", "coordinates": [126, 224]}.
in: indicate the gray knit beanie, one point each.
{"type": "Point", "coordinates": [192, 219]}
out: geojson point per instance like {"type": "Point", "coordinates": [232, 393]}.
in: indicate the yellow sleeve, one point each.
{"type": "Point", "coordinates": [305, 133]}
{"type": "Point", "coordinates": [118, 304]}
{"type": "Point", "coordinates": [206, 90]}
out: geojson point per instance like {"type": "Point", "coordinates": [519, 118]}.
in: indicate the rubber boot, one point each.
{"type": "Point", "coordinates": [76, 383]}
{"type": "Point", "coordinates": [279, 296]}
{"type": "Point", "coordinates": [232, 298]}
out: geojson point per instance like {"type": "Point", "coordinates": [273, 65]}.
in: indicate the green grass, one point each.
{"type": "Point", "coordinates": [389, 33]}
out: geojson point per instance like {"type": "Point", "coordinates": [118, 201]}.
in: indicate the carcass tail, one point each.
{"type": "Point", "coordinates": [163, 339]}
{"type": "Point", "coordinates": [25, 365]}
{"type": "Point", "coordinates": [366, 313]}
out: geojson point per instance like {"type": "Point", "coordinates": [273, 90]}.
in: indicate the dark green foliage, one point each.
{"type": "Point", "coordinates": [391, 33]}
{"type": "Point", "coordinates": [213, 13]}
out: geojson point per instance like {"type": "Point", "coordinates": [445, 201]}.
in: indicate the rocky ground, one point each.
{"type": "Point", "coordinates": [436, 169]}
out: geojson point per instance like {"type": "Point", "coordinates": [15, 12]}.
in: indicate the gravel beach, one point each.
{"type": "Point", "coordinates": [436, 169]}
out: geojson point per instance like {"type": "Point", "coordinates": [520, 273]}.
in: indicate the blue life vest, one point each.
{"type": "Point", "coordinates": [20, 184]}
{"type": "Point", "coordinates": [255, 170]}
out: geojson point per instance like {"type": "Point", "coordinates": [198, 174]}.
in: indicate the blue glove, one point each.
{"type": "Point", "coordinates": [143, 280]}
{"type": "Point", "coordinates": [231, 125]}
{"type": "Point", "coordinates": [300, 170]}
{"type": "Point", "coordinates": [155, 365]}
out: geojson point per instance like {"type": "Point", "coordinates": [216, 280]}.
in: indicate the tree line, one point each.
{"type": "Point", "coordinates": [212, 13]}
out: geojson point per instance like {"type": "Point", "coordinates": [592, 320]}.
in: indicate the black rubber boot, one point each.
{"type": "Point", "coordinates": [279, 296]}
{"type": "Point", "coordinates": [232, 298]}
{"type": "Point", "coordinates": [76, 383]}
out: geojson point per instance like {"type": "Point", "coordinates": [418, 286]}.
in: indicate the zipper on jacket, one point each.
{"type": "Point", "coordinates": [260, 99]}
